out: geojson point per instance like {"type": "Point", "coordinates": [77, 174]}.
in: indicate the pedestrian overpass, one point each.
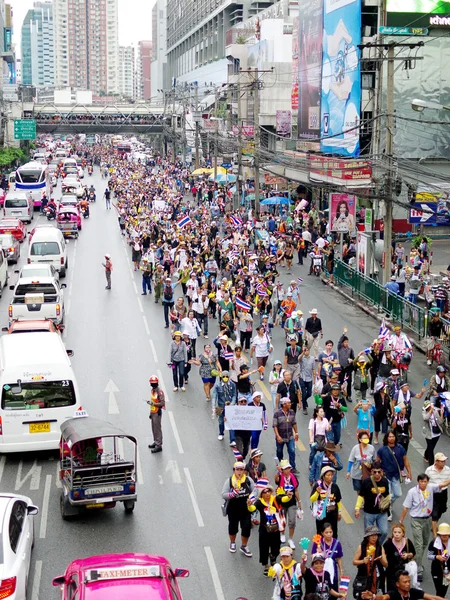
{"type": "Point", "coordinates": [118, 118]}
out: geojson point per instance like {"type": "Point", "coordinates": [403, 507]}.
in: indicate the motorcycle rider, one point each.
{"type": "Point", "coordinates": [439, 384]}
{"type": "Point", "coordinates": [51, 209]}
{"type": "Point", "coordinates": [84, 207]}
{"type": "Point", "coordinates": [91, 193]}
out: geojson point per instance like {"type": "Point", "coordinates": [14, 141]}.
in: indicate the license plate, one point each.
{"type": "Point", "coordinates": [100, 505]}
{"type": "Point", "coordinates": [111, 489]}
{"type": "Point", "coordinates": [43, 427]}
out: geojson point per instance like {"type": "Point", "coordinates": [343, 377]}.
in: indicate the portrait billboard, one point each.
{"type": "Point", "coordinates": [342, 212]}
{"type": "Point", "coordinates": [284, 123]}
{"type": "Point", "coordinates": [418, 13]}
{"type": "Point", "coordinates": [310, 33]}
{"type": "Point", "coordinates": [341, 78]}
{"type": "Point", "coordinates": [294, 90]}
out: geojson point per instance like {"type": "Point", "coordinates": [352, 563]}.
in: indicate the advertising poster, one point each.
{"type": "Point", "coordinates": [432, 207]}
{"type": "Point", "coordinates": [362, 253]}
{"type": "Point", "coordinates": [284, 123]}
{"type": "Point", "coordinates": [294, 91]}
{"type": "Point", "coordinates": [310, 34]}
{"type": "Point", "coordinates": [341, 78]}
{"type": "Point", "coordinates": [342, 212]}
{"type": "Point", "coordinates": [419, 13]}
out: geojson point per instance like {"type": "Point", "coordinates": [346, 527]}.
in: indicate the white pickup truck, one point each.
{"type": "Point", "coordinates": [37, 298]}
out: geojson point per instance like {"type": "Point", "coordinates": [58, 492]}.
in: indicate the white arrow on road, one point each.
{"type": "Point", "coordinates": [111, 389]}
{"type": "Point", "coordinates": [172, 467]}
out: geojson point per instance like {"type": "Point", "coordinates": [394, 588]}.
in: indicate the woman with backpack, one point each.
{"type": "Point", "coordinates": [168, 299]}
{"type": "Point", "coordinates": [269, 531]}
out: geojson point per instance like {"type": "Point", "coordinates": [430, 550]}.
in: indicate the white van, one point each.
{"type": "Point", "coordinates": [40, 157]}
{"type": "Point", "coordinates": [3, 272]}
{"type": "Point", "coordinates": [48, 245]}
{"type": "Point", "coordinates": [19, 205]}
{"type": "Point", "coordinates": [38, 391]}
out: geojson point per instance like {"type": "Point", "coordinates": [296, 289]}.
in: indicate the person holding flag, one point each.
{"type": "Point", "coordinates": [256, 401]}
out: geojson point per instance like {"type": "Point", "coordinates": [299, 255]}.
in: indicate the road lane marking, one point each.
{"type": "Point", "coordinates": [34, 475]}
{"type": "Point", "coordinates": [147, 328]}
{"type": "Point", "coordinates": [172, 467]}
{"type": "Point", "coordinates": [191, 491]}
{"type": "Point", "coordinates": [155, 356]}
{"type": "Point", "coordinates": [2, 466]}
{"type": "Point", "coordinates": [139, 301]}
{"type": "Point", "coordinates": [300, 446]}
{"type": "Point", "coordinates": [214, 573]}
{"type": "Point", "coordinates": [162, 384]}
{"type": "Point", "coordinates": [135, 287]}
{"type": "Point", "coordinates": [417, 447]}
{"type": "Point", "coordinates": [45, 504]}
{"type": "Point", "coordinates": [36, 580]}
{"type": "Point", "coordinates": [140, 475]}
{"type": "Point", "coordinates": [112, 389]}
{"type": "Point", "coordinates": [176, 435]}
{"type": "Point", "coordinates": [346, 515]}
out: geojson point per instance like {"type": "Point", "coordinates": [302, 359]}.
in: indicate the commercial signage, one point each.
{"type": "Point", "coordinates": [284, 123]}
{"type": "Point", "coordinates": [342, 213]}
{"type": "Point", "coordinates": [351, 173]}
{"type": "Point", "coordinates": [24, 129]}
{"type": "Point", "coordinates": [363, 253]}
{"type": "Point", "coordinates": [310, 34]}
{"type": "Point", "coordinates": [294, 90]}
{"type": "Point", "coordinates": [274, 180]}
{"type": "Point", "coordinates": [418, 31]}
{"type": "Point", "coordinates": [247, 131]}
{"type": "Point", "coordinates": [368, 216]}
{"type": "Point", "coordinates": [423, 13]}
{"type": "Point", "coordinates": [432, 207]}
{"type": "Point", "coordinates": [340, 112]}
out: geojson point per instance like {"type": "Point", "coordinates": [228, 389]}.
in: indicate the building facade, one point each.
{"type": "Point", "coordinates": [86, 45]}
{"type": "Point", "coordinates": [159, 47]}
{"type": "Point", "coordinates": [37, 46]}
{"type": "Point", "coordinates": [127, 71]}
{"type": "Point", "coordinates": [144, 70]}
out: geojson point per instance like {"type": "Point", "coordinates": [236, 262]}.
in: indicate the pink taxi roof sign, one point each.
{"type": "Point", "coordinates": [128, 572]}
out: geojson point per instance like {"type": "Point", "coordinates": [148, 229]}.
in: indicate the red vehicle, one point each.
{"type": "Point", "coordinates": [40, 325]}
{"type": "Point", "coordinates": [118, 576]}
{"type": "Point", "coordinates": [68, 220]}
{"type": "Point", "coordinates": [14, 226]}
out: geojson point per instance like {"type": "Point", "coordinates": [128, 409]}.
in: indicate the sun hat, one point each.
{"type": "Point", "coordinates": [313, 311]}
{"type": "Point", "coordinates": [326, 469]}
{"type": "Point", "coordinates": [317, 557]}
{"type": "Point", "coordinates": [286, 551]}
{"type": "Point", "coordinates": [239, 465]}
{"type": "Point", "coordinates": [285, 464]}
{"type": "Point", "coordinates": [255, 452]}
{"type": "Point", "coordinates": [256, 394]}
{"type": "Point", "coordinates": [285, 401]}
{"type": "Point", "coordinates": [371, 530]}
{"type": "Point", "coordinates": [443, 529]}
{"type": "Point", "coordinates": [440, 456]}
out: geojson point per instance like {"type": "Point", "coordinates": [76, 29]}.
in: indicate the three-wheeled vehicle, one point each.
{"type": "Point", "coordinates": [68, 220]}
{"type": "Point", "coordinates": [97, 466]}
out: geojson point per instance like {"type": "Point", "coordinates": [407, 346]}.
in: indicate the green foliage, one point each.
{"type": "Point", "coordinates": [416, 241]}
{"type": "Point", "coordinates": [10, 155]}
{"type": "Point", "coordinates": [241, 39]}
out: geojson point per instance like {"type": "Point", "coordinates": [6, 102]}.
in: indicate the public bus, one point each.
{"type": "Point", "coordinates": [34, 178]}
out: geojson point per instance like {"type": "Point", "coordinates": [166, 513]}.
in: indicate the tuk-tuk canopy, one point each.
{"type": "Point", "coordinates": [79, 429]}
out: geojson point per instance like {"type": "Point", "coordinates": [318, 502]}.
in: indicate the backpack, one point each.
{"type": "Point", "coordinates": [168, 293]}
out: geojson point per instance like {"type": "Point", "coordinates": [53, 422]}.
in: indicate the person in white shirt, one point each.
{"type": "Point", "coordinates": [438, 472]}
{"type": "Point", "coordinates": [190, 326]}
{"type": "Point", "coordinates": [200, 307]}
{"type": "Point", "coordinates": [192, 287]}
{"type": "Point", "coordinates": [261, 348]}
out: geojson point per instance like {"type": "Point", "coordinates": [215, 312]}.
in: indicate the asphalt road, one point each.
{"type": "Point", "coordinates": [119, 340]}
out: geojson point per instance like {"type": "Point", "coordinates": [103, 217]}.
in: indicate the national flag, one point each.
{"type": "Point", "coordinates": [407, 343]}
{"type": "Point", "coordinates": [299, 279]}
{"type": "Point", "coordinates": [384, 331]}
{"type": "Point", "coordinates": [241, 304]}
{"type": "Point", "coordinates": [184, 221]}
{"type": "Point", "coordinates": [262, 483]}
{"type": "Point", "coordinates": [237, 455]}
{"type": "Point", "coordinates": [228, 355]}
{"type": "Point", "coordinates": [236, 221]}
{"type": "Point", "coordinates": [345, 582]}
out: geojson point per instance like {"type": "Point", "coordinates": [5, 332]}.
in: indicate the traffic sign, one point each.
{"type": "Point", "coordinates": [227, 165]}
{"type": "Point", "coordinates": [420, 31]}
{"type": "Point", "coordinates": [24, 129]}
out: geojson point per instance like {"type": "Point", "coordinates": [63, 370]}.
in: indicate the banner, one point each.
{"type": "Point", "coordinates": [362, 253]}
{"type": "Point", "coordinates": [284, 123]}
{"type": "Point", "coordinates": [310, 34]}
{"type": "Point", "coordinates": [351, 173]}
{"type": "Point", "coordinates": [341, 78]}
{"type": "Point", "coordinates": [342, 212]}
{"type": "Point", "coordinates": [294, 91]}
{"type": "Point", "coordinates": [432, 207]}
{"type": "Point", "coordinates": [243, 418]}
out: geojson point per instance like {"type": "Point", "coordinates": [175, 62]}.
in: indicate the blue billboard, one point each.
{"type": "Point", "coordinates": [341, 78]}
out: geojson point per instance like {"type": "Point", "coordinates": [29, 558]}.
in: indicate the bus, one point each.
{"type": "Point", "coordinates": [34, 177]}
{"type": "Point", "coordinates": [38, 391]}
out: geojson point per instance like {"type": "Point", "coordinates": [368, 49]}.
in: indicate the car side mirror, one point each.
{"type": "Point", "coordinates": [17, 271]}
{"type": "Point", "coordinates": [58, 581]}
{"type": "Point", "coordinates": [32, 510]}
{"type": "Point", "coordinates": [181, 573]}
{"type": "Point", "coordinates": [70, 352]}
{"type": "Point", "coordinates": [63, 286]}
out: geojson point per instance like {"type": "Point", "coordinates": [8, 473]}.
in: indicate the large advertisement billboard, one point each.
{"type": "Point", "coordinates": [294, 91]}
{"type": "Point", "coordinates": [418, 13]}
{"type": "Point", "coordinates": [342, 213]}
{"type": "Point", "coordinates": [310, 19]}
{"type": "Point", "coordinates": [432, 207]}
{"type": "Point", "coordinates": [341, 78]}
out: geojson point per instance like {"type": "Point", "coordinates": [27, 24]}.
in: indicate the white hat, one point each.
{"type": "Point", "coordinates": [108, 256]}
{"type": "Point", "coordinates": [256, 394]}
{"type": "Point", "coordinates": [294, 314]}
{"type": "Point", "coordinates": [313, 311]}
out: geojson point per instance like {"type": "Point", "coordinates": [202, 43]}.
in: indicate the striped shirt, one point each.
{"type": "Point", "coordinates": [438, 477]}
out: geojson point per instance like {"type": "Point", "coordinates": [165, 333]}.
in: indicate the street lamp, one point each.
{"type": "Point", "coordinates": [420, 105]}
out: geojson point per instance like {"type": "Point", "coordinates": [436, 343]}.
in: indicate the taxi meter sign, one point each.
{"type": "Point", "coordinates": [125, 573]}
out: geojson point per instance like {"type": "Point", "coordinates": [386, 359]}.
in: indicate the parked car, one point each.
{"type": "Point", "coordinates": [10, 246]}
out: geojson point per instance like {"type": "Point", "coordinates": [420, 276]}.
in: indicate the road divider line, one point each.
{"type": "Point", "coordinates": [140, 475]}
{"type": "Point", "coordinates": [176, 435]}
{"type": "Point", "coordinates": [162, 384]}
{"type": "Point", "coordinates": [139, 301]}
{"type": "Point", "coordinates": [191, 491]}
{"type": "Point", "coordinates": [147, 328]}
{"type": "Point", "coordinates": [420, 449]}
{"type": "Point", "coordinates": [45, 504]}
{"type": "Point", "coordinates": [34, 475]}
{"type": "Point", "coordinates": [300, 446]}
{"type": "Point", "coordinates": [265, 391]}
{"type": "Point", "coordinates": [152, 346]}
{"type": "Point", "coordinates": [214, 573]}
{"type": "Point", "coordinates": [2, 466]}
{"type": "Point", "coordinates": [346, 515]}
{"type": "Point", "coordinates": [135, 287]}
{"type": "Point", "coordinates": [36, 585]}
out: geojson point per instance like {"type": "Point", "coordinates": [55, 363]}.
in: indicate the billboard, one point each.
{"type": "Point", "coordinates": [294, 91]}
{"type": "Point", "coordinates": [432, 207]}
{"type": "Point", "coordinates": [419, 13]}
{"type": "Point", "coordinates": [284, 123]}
{"type": "Point", "coordinates": [310, 34]}
{"type": "Point", "coordinates": [342, 212]}
{"type": "Point", "coordinates": [341, 78]}
{"type": "Point", "coordinates": [351, 173]}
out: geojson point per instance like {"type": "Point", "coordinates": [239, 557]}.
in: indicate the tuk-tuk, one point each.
{"type": "Point", "coordinates": [97, 466]}
{"type": "Point", "coordinates": [68, 220]}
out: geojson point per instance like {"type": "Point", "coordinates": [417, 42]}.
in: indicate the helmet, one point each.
{"type": "Point", "coordinates": [406, 358]}
{"type": "Point", "coordinates": [153, 379]}
{"type": "Point", "coordinates": [441, 369]}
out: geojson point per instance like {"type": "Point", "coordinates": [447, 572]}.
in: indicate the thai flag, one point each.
{"type": "Point", "coordinates": [262, 483]}
{"type": "Point", "coordinates": [266, 422]}
{"type": "Point", "coordinates": [237, 222]}
{"type": "Point", "coordinates": [384, 331]}
{"type": "Point", "coordinates": [299, 279]}
{"type": "Point", "coordinates": [241, 304]}
{"type": "Point", "coordinates": [184, 221]}
{"type": "Point", "coordinates": [237, 455]}
{"type": "Point", "coordinates": [345, 582]}
{"type": "Point", "coordinates": [407, 343]}
{"type": "Point", "coordinates": [228, 355]}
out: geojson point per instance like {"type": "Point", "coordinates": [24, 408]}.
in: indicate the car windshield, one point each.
{"type": "Point", "coordinates": [35, 395]}
{"type": "Point", "coordinates": [29, 176]}
{"type": "Point", "coordinates": [44, 248]}
{"type": "Point", "coordinates": [16, 203]}
{"type": "Point", "coordinates": [36, 288]}
{"type": "Point", "coordinates": [37, 272]}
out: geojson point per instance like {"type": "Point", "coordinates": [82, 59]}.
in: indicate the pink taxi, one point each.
{"type": "Point", "coordinates": [120, 577]}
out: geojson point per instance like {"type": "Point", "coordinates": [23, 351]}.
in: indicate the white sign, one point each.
{"type": "Point", "coordinates": [243, 418]}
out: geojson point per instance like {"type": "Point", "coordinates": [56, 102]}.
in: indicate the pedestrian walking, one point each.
{"type": "Point", "coordinates": [375, 497]}
{"type": "Point", "coordinates": [285, 428]}
{"type": "Point", "coordinates": [147, 269]}
{"type": "Point", "coordinates": [433, 419]}
{"type": "Point", "coordinates": [108, 268]}
{"type": "Point", "coordinates": [157, 403]}
{"type": "Point", "coordinates": [394, 461]}
{"type": "Point", "coordinates": [269, 533]}
{"type": "Point", "coordinates": [438, 472]}
{"type": "Point", "coordinates": [107, 197]}
{"type": "Point", "coordinates": [235, 493]}
{"type": "Point", "coordinates": [178, 360]}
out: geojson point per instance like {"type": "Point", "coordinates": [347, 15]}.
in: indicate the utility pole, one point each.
{"type": "Point", "coordinates": [390, 165]}
{"type": "Point", "coordinates": [216, 137]}
{"type": "Point", "coordinates": [257, 139]}
{"type": "Point", "coordinates": [239, 116]}
{"type": "Point", "coordinates": [197, 157]}
{"type": "Point", "coordinates": [174, 123]}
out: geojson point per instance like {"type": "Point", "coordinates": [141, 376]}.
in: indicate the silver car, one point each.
{"type": "Point", "coordinates": [10, 246]}
{"type": "Point", "coordinates": [16, 543]}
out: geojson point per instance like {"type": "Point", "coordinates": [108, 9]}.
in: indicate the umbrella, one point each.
{"type": "Point", "coordinates": [250, 197]}
{"type": "Point", "coordinates": [201, 171]}
{"type": "Point", "coordinates": [276, 200]}
{"type": "Point", "coordinates": [224, 178]}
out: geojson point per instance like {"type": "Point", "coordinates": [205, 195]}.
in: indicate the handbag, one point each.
{"type": "Point", "coordinates": [224, 507]}
{"type": "Point", "coordinates": [271, 527]}
{"type": "Point", "coordinates": [385, 501]}
{"type": "Point", "coordinates": [361, 584]}
{"type": "Point", "coordinates": [398, 466]}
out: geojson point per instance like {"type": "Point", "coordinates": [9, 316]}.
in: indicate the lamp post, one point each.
{"type": "Point", "coordinates": [420, 105]}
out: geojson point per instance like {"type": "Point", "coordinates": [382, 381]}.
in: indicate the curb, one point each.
{"type": "Point", "coordinates": [372, 313]}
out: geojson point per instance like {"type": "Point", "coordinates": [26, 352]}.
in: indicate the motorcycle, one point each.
{"type": "Point", "coordinates": [50, 213]}
{"type": "Point", "coordinates": [90, 170]}
{"type": "Point", "coordinates": [85, 212]}
{"type": "Point", "coordinates": [317, 265]}
{"type": "Point", "coordinates": [92, 197]}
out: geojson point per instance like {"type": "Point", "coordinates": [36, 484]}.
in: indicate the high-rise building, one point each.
{"type": "Point", "coordinates": [144, 70]}
{"type": "Point", "coordinates": [196, 36]}
{"type": "Point", "coordinates": [37, 46]}
{"type": "Point", "coordinates": [86, 45]}
{"type": "Point", "coordinates": [127, 71]}
{"type": "Point", "coordinates": [159, 46]}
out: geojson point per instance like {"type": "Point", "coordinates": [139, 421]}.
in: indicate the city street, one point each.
{"type": "Point", "coordinates": [119, 340]}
